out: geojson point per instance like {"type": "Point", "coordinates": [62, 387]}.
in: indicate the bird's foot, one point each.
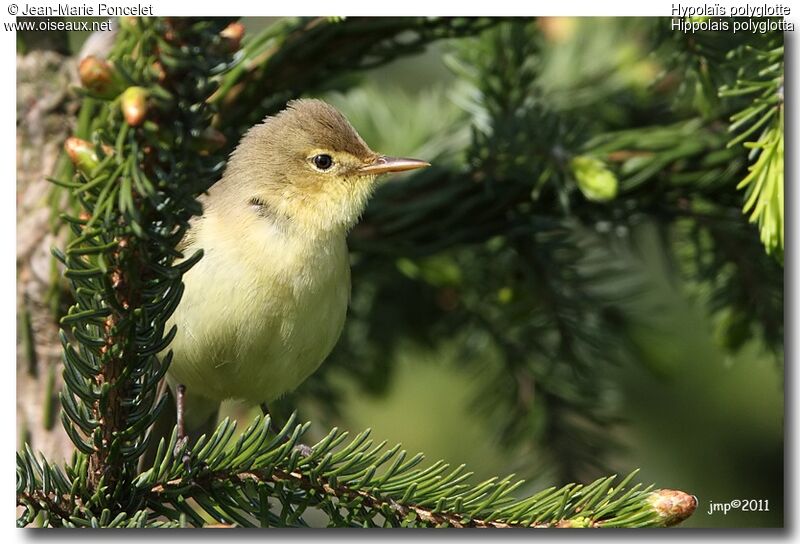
{"type": "Point", "coordinates": [184, 452]}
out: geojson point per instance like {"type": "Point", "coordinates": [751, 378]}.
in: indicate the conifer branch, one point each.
{"type": "Point", "coordinates": [762, 76]}
{"type": "Point", "coordinates": [136, 183]}
{"type": "Point", "coordinates": [232, 479]}
{"type": "Point", "coordinates": [301, 55]}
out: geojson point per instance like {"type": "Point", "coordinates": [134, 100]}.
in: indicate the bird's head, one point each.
{"type": "Point", "coordinates": [306, 166]}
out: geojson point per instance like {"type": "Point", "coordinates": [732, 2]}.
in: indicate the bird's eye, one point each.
{"type": "Point", "coordinates": [323, 162]}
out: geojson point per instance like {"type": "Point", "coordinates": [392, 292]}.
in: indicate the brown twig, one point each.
{"type": "Point", "coordinates": [61, 506]}
{"type": "Point", "coordinates": [371, 500]}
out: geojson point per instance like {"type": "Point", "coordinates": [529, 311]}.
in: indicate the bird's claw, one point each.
{"type": "Point", "coordinates": [184, 452]}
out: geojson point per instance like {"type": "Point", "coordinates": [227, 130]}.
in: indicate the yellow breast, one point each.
{"type": "Point", "coordinates": [260, 311]}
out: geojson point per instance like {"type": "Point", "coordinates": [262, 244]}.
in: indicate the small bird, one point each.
{"type": "Point", "coordinates": [267, 302]}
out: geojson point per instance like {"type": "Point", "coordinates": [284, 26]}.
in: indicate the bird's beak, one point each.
{"type": "Point", "coordinates": [384, 165]}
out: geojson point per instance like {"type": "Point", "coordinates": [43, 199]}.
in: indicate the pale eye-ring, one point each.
{"type": "Point", "coordinates": [322, 161]}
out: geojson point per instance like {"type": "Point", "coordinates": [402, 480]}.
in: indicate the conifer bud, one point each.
{"type": "Point", "coordinates": [595, 181]}
{"type": "Point", "coordinates": [98, 76]}
{"type": "Point", "coordinates": [134, 105]}
{"type": "Point", "coordinates": [579, 522]}
{"type": "Point", "coordinates": [128, 22]}
{"type": "Point", "coordinates": [82, 154]}
{"type": "Point", "coordinates": [672, 505]}
{"type": "Point", "coordinates": [232, 36]}
{"type": "Point", "coordinates": [557, 29]}
{"type": "Point", "coordinates": [158, 71]}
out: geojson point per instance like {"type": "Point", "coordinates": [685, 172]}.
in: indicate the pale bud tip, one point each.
{"type": "Point", "coordinates": [673, 505]}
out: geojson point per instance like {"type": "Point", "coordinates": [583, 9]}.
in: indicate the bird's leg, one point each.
{"type": "Point", "coordinates": [180, 409]}
{"type": "Point", "coordinates": [304, 450]}
{"type": "Point", "coordinates": [272, 425]}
